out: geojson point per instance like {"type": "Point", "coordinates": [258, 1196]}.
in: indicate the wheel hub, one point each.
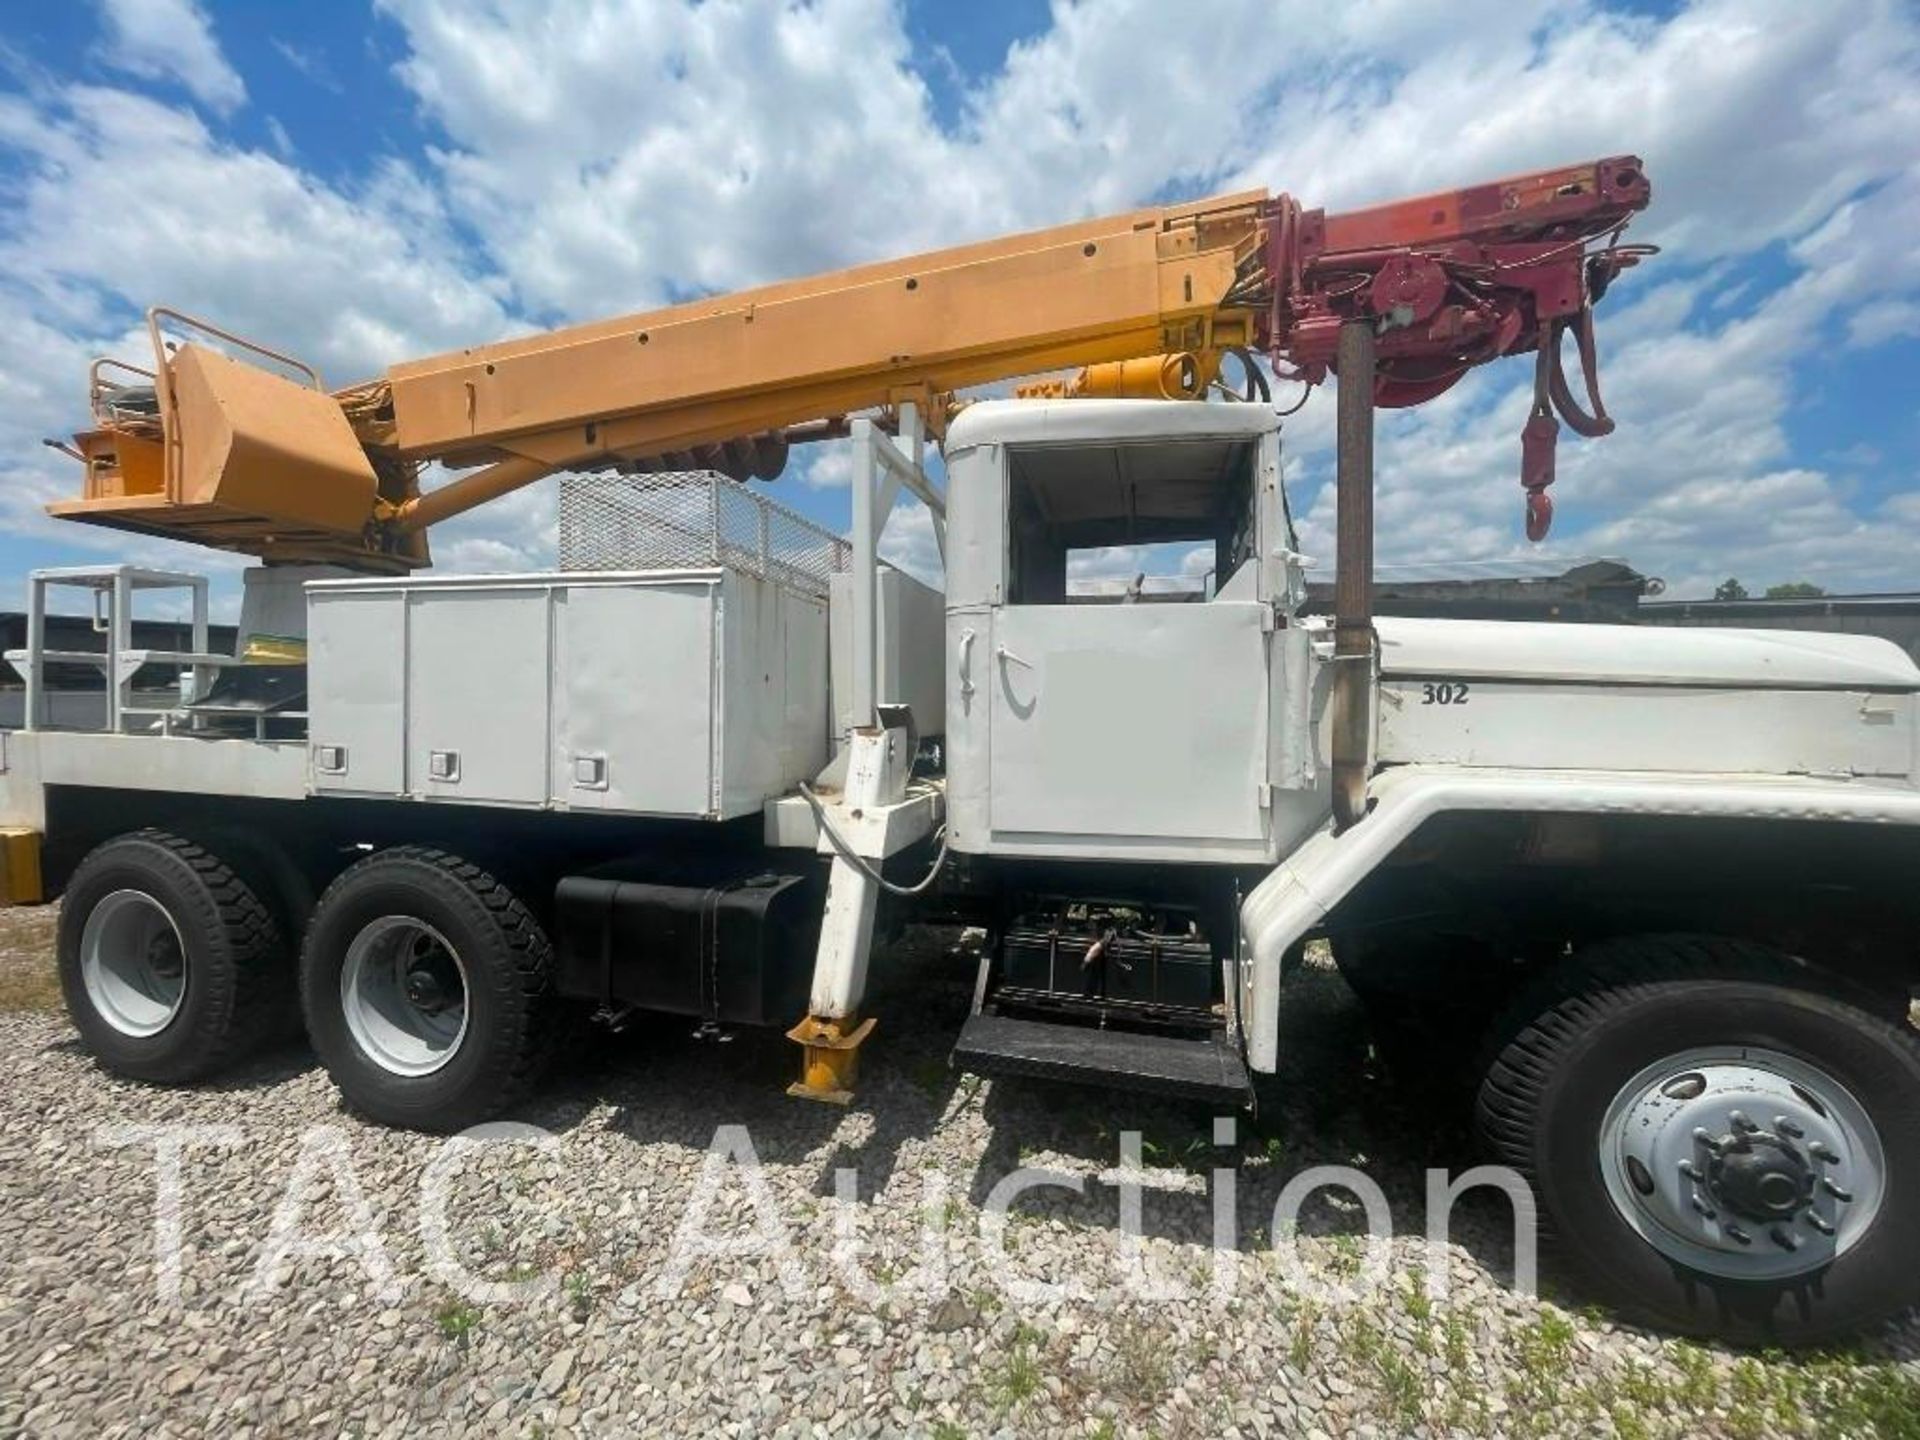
{"type": "Point", "coordinates": [1742, 1162]}
{"type": "Point", "coordinates": [164, 958]}
{"type": "Point", "coordinates": [403, 991]}
{"type": "Point", "coordinates": [132, 963]}
{"type": "Point", "coordinates": [1759, 1177]}
{"type": "Point", "coordinates": [426, 990]}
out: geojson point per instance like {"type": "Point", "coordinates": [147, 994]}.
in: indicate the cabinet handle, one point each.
{"type": "Point", "coordinates": [966, 663]}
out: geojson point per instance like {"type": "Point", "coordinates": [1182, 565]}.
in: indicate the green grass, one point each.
{"type": "Point", "coordinates": [456, 1320]}
{"type": "Point", "coordinates": [1300, 1347]}
{"type": "Point", "coordinates": [579, 1294]}
{"type": "Point", "coordinates": [1689, 1391]}
{"type": "Point", "coordinates": [1018, 1376]}
{"type": "Point", "coordinates": [1400, 1386]}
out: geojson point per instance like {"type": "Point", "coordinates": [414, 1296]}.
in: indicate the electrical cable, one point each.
{"type": "Point", "coordinates": [859, 862]}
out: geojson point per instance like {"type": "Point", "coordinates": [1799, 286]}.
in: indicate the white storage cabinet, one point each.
{"type": "Point", "coordinates": [694, 693]}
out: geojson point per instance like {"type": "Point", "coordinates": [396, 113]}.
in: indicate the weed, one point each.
{"type": "Point", "coordinates": [579, 1294]}
{"type": "Point", "coordinates": [1363, 1337]}
{"type": "Point", "coordinates": [1344, 1262]}
{"type": "Point", "coordinates": [1400, 1387]}
{"type": "Point", "coordinates": [1455, 1339]}
{"type": "Point", "coordinates": [1146, 1368]}
{"type": "Point", "coordinates": [1875, 1400]}
{"type": "Point", "coordinates": [1419, 1303]}
{"type": "Point", "coordinates": [1638, 1384]}
{"type": "Point", "coordinates": [1018, 1377]}
{"type": "Point", "coordinates": [1300, 1348]}
{"type": "Point", "coordinates": [456, 1320]}
{"type": "Point", "coordinates": [1543, 1353]}
{"type": "Point", "coordinates": [1466, 1416]}
{"type": "Point", "coordinates": [1205, 1350]}
{"type": "Point", "coordinates": [1699, 1388]}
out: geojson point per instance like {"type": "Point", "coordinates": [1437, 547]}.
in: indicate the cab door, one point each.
{"type": "Point", "coordinates": [1145, 722]}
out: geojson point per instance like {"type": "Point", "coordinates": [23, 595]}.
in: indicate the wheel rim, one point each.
{"type": "Point", "coordinates": [404, 993]}
{"type": "Point", "coordinates": [1742, 1162]}
{"type": "Point", "coordinates": [133, 964]}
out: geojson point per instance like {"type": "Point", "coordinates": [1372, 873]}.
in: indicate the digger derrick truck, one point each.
{"type": "Point", "coordinates": [1651, 889]}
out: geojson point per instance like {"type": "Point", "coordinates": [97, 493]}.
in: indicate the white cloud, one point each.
{"type": "Point", "coordinates": [310, 63]}
{"type": "Point", "coordinates": [351, 279]}
{"type": "Point", "coordinates": [1763, 125]}
{"type": "Point", "coordinates": [826, 466]}
{"type": "Point", "coordinates": [647, 149]}
{"type": "Point", "coordinates": [909, 542]}
{"type": "Point", "coordinates": [171, 40]}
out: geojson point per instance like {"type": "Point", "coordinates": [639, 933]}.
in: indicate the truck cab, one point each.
{"type": "Point", "coordinates": [1123, 754]}
{"type": "Point", "coordinates": [1148, 722]}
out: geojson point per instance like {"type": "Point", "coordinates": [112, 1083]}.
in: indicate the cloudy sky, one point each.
{"type": "Point", "coordinates": [365, 183]}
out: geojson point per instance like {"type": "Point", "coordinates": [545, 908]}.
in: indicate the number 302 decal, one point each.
{"type": "Point", "coordinates": [1444, 692]}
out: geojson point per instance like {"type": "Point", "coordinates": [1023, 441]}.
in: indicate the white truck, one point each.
{"type": "Point", "coordinates": [1659, 874]}
{"type": "Point", "coordinates": [1656, 885]}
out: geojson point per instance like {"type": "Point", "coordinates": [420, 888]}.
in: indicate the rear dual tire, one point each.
{"type": "Point", "coordinates": [426, 986]}
{"type": "Point", "coordinates": [171, 964]}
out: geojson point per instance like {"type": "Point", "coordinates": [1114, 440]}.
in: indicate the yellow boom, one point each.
{"type": "Point", "coordinates": [233, 454]}
{"type": "Point", "coordinates": [236, 446]}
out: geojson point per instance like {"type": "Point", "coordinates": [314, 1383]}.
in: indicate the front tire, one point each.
{"type": "Point", "coordinates": [1721, 1141]}
{"type": "Point", "coordinates": [425, 983]}
{"type": "Point", "coordinates": [171, 965]}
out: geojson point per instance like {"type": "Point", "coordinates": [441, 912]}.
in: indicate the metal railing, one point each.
{"type": "Point", "coordinates": [690, 520]}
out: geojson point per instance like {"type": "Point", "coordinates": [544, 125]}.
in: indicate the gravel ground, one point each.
{"type": "Point", "coordinates": [586, 1332]}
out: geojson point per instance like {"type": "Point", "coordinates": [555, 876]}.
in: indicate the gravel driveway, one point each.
{"type": "Point", "coordinates": [556, 1295]}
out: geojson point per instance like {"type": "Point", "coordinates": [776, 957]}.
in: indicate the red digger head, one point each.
{"type": "Point", "coordinates": [1453, 280]}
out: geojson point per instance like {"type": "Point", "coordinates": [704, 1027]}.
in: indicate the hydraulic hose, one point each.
{"type": "Point", "coordinates": [859, 862]}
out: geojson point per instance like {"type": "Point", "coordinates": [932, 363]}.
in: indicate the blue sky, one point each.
{"type": "Point", "coordinates": [366, 182]}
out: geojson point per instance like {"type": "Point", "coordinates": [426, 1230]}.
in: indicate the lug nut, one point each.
{"type": "Point", "coordinates": [1706, 1139]}
{"type": "Point", "coordinates": [1706, 1211]}
{"type": "Point", "coordinates": [1819, 1222]}
{"type": "Point", "coordinates": [1821, 1153]}
{"type": "Point", "coordinates": [1842, 1195]}
{"type": "Point", "coordinates": [1691, 1170]}
{"type": "Point", "coordinates": [1784, 1238]}
{"type": "Point", "coordinates": [1738, 1234]}
{"type": "Point", "coordinates": [1787, 1128]}
{"type": "Point", "coordinates": [1741, 1122]}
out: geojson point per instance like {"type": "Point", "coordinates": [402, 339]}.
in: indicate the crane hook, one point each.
{"type": "Point", "coordinates": [1552, 394]}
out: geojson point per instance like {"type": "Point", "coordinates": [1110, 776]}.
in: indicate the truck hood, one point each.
{"type": "Point", "coordinates": [1642, 655]}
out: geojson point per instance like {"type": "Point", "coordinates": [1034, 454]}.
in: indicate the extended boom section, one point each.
{"type": "Point", "coordinates": [234, 446]}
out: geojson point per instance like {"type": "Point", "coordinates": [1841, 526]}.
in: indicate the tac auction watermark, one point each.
{"type": "Point", "coordinates": [712, 1230]}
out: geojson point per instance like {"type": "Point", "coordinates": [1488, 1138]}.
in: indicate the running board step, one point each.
{"type": "Point", "coordinates": [1209, 1069]}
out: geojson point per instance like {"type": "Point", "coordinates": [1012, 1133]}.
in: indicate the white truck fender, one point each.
{"type": "Point", "coordinates": [1317, 876]}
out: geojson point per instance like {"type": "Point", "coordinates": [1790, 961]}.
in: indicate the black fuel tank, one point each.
{"type": "Point", "coordinates": [738, 948]}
